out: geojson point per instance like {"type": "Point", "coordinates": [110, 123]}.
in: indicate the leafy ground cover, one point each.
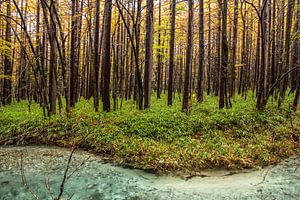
{"type": "Point", "coordinates": [164, 139]}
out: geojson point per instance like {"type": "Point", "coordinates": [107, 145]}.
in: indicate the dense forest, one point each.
{"type": "Point", "coordinates": [55, 52]}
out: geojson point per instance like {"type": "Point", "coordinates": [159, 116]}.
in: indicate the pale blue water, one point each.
{"type": "Point", "coordinates": [96, 180]}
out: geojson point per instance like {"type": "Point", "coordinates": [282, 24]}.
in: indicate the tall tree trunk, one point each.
{"type": "Point", "coordinates": [218, 56]}
{"type": "Point", "coordinates": [8, 68]}
{"type": "Point", "coordinates": [209, 71]}
{"type": "Point", "coordinates": [188, 63]}
{"type": "Point", "coordinates": [295, 60]}
{"type": "Point", "coordinates": [96, 57]}
{"type": "Point", "coordinates": [159, 56]}
{"type": "Point", "coordinates": [201, 53]}
{"type": "Point", "coordinates": [106, 60]}
{"type": "Point", "coordinates": [148, 54]}
{"type": "Point", "coordinates": [74, 54]}
{"type": "Point", "coordinates": [224, 57]}
{"type": "Point", "coordinates": [233, 46]}
{"type": "Point", "coordinates": [53, 67]}
{"type": "Point", "coordinates": [172, 49]}
{"type": "Point", "coordinates": [264, 37]}
{"type": "Point", "coordinates": [286, 53]}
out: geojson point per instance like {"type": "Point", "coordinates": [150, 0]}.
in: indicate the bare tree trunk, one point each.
{"type": "Point", "coordinates": [106, 60]}
{"type": "Point", "coordinates": [224, 57]}
{"type": "Point", "coordinates": [159, 57]}
{"type": "Point", "coordinates": [201, 52]}
{"type": "Point", "coordinates": [209, 71]}
{"type": "Point", "coordinates": [172, 49]}
{"type": "Point", "coordinates": [8, 68]}
{"type": "Point", "coordinates": [148, 54]}
{"type": "Point", "coordinates": [188, 64]}
{"type": "Point", "coordinates": [96, 57]}
{"type": "Point", "coordinates": [286, 53]}
{"type": "Point", "coordinates": [264, 21]}
{"type": "Point", "coordinates": [233, 46]}
{"type": "Point", "coordinates": [74, 54]}
{"type": "Point", "coordinates": [53, 67]}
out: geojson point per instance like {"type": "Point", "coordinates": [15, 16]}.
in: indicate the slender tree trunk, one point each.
{"type": "Point", "coordinates": [234, 45]}
{"type": "Point", "coordinates": [53, 65]}
{"type": "Point", "coordinates": [172, 49]}
{"type": "Point", "coordinates": [148, 54]}
{"type": "Point", "coordinates": [201, 52]}
{"type": "Point", "coordinates": [224, 57]}
{"type": "Point", "coordinates": [96, 57]}
{"type": "Point", "coordinates": [159, 70]}
{"type": "Point", "coordinates": [218, 56]}
{"type": "Point", "coordinates": [286, 55]}
{"type": "Point", "coordinates": [74, 54]}
{"type": "Point", "coordinates": [209, 71]}
{"type": "Point", "coordinates": [8, 68]}
{"type": "Point", "coordinates": [189, 51]}
{"type": "Point", "coordinates": [106, 60]}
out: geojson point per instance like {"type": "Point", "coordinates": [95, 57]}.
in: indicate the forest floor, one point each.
{"type": "Point", "coordinates": [164, 139]}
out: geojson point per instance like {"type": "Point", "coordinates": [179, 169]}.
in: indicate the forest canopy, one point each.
{"type": "Point", "coordinates": [56, 52]}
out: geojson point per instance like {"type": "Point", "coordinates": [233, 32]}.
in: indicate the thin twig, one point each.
{"type": "Point", "coordinates": [24, 181]}
{"type": "Point", "coordinates": [78, 167]}
{"type": "Point", "coordinates": [62, 185]}
{"type": "Point", "coordinates": [265, 176]}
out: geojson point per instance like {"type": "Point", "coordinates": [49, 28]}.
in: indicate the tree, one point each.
{"type": "Point", "coordinates": [233, 46]}
{"type": "Point", "coordinates": [148, 54]}
{"type": "Point", "coordinates": [171, 54]}
{"type": "Point", "coordinates": [74, 54]}
{"type": "Point", "coordinates": [201, 53]}
{"type": "Point", "coordinates": [224, 57]}
{"type": "Point", "coordinates": [52, 67]}
{"type": "Point", "coordinates": [106, 63]}
{"type": "Point", "coordinates": [286, 53]}
{"type": "Point", "coordinates": [96, 57]}
{"type": "Point", "coordinates": [188, 63]}
{"type": "Point", "coordinates": [8, 68]}
{"type": "Point", "coordinates": [159, 56]}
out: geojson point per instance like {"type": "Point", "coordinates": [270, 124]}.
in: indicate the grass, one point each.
{"type": "Point", "coordinates": [163, 139]}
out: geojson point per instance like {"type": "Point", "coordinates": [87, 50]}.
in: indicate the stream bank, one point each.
{"type": "Point", "coordinates": [44, 168]}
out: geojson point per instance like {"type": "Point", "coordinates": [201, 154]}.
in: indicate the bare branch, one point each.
{"type": "Point", "coordinates": [24, 181]}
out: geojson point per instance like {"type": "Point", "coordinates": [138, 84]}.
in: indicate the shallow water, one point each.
{"type": "Point", "coordinates": [44, 168]}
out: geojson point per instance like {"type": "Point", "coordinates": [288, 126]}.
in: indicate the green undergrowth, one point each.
{"type": "Point", "coordinates": [164, 139]}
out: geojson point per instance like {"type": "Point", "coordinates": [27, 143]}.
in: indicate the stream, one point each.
{"type": "Point", "coordinates": [93, 179]}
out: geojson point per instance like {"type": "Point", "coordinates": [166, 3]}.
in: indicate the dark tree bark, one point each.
{"type": "Point", "coordinates": [171, 55]}
{"type": "Point", "coordinates": [233, 46]}
{"type": "Point", "coordinates": [209, 71]}
{"type": "Point", "coordinates": [224, 57]}
{"type": "Point", "coordinates": [74, 55]}
{"type": "Point", "coordinates": [201, 52]}
{"type": "Point", "coordinates": [148, 54]}
{"type": "Point", "coordinates": [218, 54]}
{"type": "Point", "coordinates": [159, 52]}
{"type": "Point", "coordinates": [96, 57]}
{"type": "Point", "coordinates": [286, 53]}
{"type": "Point", "coordinates": [53, 66]}
{"type": "Point", "coordinates": [8, 68]}
{"type": "Point", "coordinates": [295, 61]}
{"type": "Point", "coordinates": [106, 60]}
{"type": "Point", "coordinates": [264, 37]}
{"type": "Point", "coordinates": [188, 63]}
